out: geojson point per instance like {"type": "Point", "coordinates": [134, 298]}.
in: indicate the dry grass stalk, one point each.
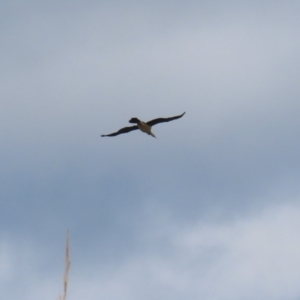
{"type": "Point", "coordinates": [66, 271]}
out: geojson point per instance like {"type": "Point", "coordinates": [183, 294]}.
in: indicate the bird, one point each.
{"type": "Point", "coordinates": [143, 126]}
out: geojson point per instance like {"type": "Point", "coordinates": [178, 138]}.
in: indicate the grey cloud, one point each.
{"type": "Point", "coordinates": [242, 258]}
{"type": "Point", "coordinates": [72, 73]}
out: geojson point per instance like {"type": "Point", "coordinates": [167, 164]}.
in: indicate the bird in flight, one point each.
{"type": "Point", "coordinates": [143, 126]}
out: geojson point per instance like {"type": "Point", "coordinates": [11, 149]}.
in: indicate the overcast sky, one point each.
{"type": "Point", "coordinates": [210, 209]}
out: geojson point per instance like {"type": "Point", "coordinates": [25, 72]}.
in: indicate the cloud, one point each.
{"type": "Point", "coordinates": [23, 267]}
{"type": "Point", "coordinates": [250, 258]}
{"type": "Point", "coordinates": [232, 70]}
{"type": "Point", "coordinates": [72, 72]}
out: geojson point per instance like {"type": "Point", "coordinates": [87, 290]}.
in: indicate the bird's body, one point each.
{"type": "Point", "coordinates": [143, 126]}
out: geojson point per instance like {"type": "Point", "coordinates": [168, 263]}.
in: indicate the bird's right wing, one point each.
{"type": "Point", "coordinates": [162, 120]}
{"type": "Point", "coordinates": [122, 130]}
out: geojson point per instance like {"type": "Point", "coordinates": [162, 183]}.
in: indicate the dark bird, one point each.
{"type": "Point", "coordinates": [143, 126]}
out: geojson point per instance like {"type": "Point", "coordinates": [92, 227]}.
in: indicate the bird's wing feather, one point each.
{"type": "Point", "coordinates": [122, 130]}
{"type": "Point", "coordinates": [162, 120]}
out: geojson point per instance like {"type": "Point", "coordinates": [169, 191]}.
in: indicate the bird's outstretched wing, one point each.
{"type": "Point", "coordinates": [162, 120]}
{"type": "Point", "coordinates": [122, 130]}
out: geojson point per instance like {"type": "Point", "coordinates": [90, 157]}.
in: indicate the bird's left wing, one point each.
{"type": "Point", "coordinates": [162, 120]}
{"type": "Point", "coordinates": [122, 130]}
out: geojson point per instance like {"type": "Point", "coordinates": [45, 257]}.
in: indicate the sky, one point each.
{"type": "Point", "coordinates": [210, 209]}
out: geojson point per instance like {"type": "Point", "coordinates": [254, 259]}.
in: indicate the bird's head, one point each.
{"type": "Point", "coordinates": [134, 120]}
